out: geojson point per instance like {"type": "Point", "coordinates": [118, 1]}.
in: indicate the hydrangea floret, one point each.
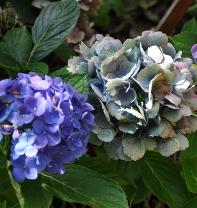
{"type": "Point", "coordinates": [48, 120]}
{"type": "Point", "coordinates": [145, 94]}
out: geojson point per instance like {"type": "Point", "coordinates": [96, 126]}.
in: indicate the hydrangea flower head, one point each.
{"type": "Point", "coordinates": [49, 122]}
{"type": "Point", "coordinates": [145, 93]}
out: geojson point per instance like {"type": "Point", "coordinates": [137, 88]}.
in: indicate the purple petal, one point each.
{"type": "Point", "coordinates": [18, 174]}
{"type": "Point", "coordinates": [31, 173]}
{"type": "Point", "coordinates": [194, 52]}
{"type": "Point", "coordinates": [41, 141]}
{"type": "Point", "coordinates": [41, 106]}
{"type": "Point", "coordinates": [38, 83]}
{"type": "Point", "coordinates": [38, 126]}
{"type": "Point", "coordinates": [53, 117]}
{"type": "Point", "coordinates": [53, 139]}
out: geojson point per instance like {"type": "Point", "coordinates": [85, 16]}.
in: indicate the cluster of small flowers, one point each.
{"type": "Point", "coordinates": [49, 122]}
{"type": "Point", "coordinates": [145, 92]}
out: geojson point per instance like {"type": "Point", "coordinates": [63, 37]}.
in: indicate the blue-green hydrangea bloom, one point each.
{"type": "Point", "coordinates": [145, 94]}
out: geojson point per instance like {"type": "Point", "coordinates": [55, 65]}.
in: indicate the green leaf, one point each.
{"type": "Point", "coordinates": [190, 26]}
{"type": "Point", "coordinates": [25, 11]}
{"type": "Point", "coordinates": [3, 204]}
{"type": "Point", "coordinates": [103, 165]}
{"type": "Point", "coordinates": [15, 48]}
{"type": "Point", "coordinates": [184, 42]}
{"type": "Point", "coordinates": [102, 19]}
{"type": "Point", "coordinates": [162, 177]}
{"type": "Point", "coordinates": [30, 194]}
{"type": "Point", "coordinates": [189, 163]}
{"type": "Point", "coordinates": [38, 67]}
{"type": "Point", "coordinates": [64, 52]}
{"type": "Point", "coordinates": [6, 191]}
{"type": "Point", "coordinates": [51, 27]}
{"type": "Point", "coordinates": [137, 193]}
{"type": "Point", "coordinates": [192, 203]}
{"type": "Point", "coordinates": [34, 195]}
{"type": "Point", "coordinates": [78, 81]}
{"type": "Point", "coordinates": [85, 186]}
{"type": "Point", "coordinates": [130, 170]}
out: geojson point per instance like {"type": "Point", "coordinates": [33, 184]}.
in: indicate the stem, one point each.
{"type": "Point", "coordinates": [32, 53]}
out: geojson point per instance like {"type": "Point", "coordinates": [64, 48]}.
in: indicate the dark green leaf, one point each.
{"type": "Point", "coordinates": [103, 17]}
{"type": "Point", "coordinates": [64, 52]}
{"type": "Point", "coordinates": [184, 42]}
{"type": "Point", "coordinates": [34, 195]}
{"type": "Point", "coordinates": [38, 67]}
{"type": "Point", "coordinates": [130, 170]}
{"type": "Point", "coordinates": [137, 193]}
{"type": "Point", "coordinates": [25, 10]}
{"type": "Point", "coordinates": [193, 10]}
{"type": "Point", "coordinates": [6, 191]}
{"type": "Point", "coordinates": [190, 26]}
{"type": "Point", "coordinates": [78, 81]}
{"type": "Point", "coordinates": [192, 203]}
{"type": "Point", "coordinates": [189, 163]}
{"type": "Point", "coordinates": [30, 194]}
{"type": "Point", "coordinates": [162, 177]}
{"type": "Point", "coordinates": [85, 186]}
{"type": "Point", "coordinates": [103, 165]}
{"type": "Point", "coordinates": [51, 27]}
{"type": "Point", "coordinates": [17, 44]}
{"type": "Point", "coordinates": [3, 204]}
{"type": "Point", "coordinates": [15, 48]}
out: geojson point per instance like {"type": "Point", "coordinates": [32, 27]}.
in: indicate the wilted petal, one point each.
{"type": "Point", "coordinates": [133, 147]}
{"type": "Point", "coordinates": [149, 38]}
{"type": "Point", "coordinates": [155, 53]}
{"type": "Point", "coordinates": [173, 99]}
{"type": "Point", "coordinates": [129, 128]}
{"type": "Point", "coordinates": [164, 130]}
{"type": "Point", "coordinates": [118, 67]}
{"type": "Point", "coordinates": [146, 75]}
{"type": "Point", "coordinates": [121, 92]}
{"type": "Point", "coordinates": [153, 112]}
{"type": "Point", "coordinates": [150, 144]}
{"type": "Point", "coordinates": [114, 110]}
{"type": "Point", "coordinates": [115, 150]}
{"type": "Point", "coordinates": [171, 146]}
{"type": "Point", "coordinates": [106, 135]}
{"type": "Point", "coordinates": [98, 88]}
{"type": "Point", "coordinates": [133, 112]}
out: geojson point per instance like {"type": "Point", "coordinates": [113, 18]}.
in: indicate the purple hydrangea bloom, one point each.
{"type": "Point", "coordinates": [49, 122]}
{"type": "Point", "coordinates": [194, 52]}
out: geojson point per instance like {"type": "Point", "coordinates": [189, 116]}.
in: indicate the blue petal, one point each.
{"type": "Point", "coordinates": [31, 173]}
{"type": "Point", "coordinates": [20, 148]}
{"type": "Point", "coordinates": [41, 141]}
{"type": "Point", "coordinates": [38, 126]}
{"type": "Point", "coordinates": [18, 174]}
{"type": "Point", "coordinates": [31, 151]}
{"type": "Point", "coordinates": [53, 139]}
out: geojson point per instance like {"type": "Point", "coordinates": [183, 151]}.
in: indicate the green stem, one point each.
{"type": "Point", "coordinates": [32, 53]}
